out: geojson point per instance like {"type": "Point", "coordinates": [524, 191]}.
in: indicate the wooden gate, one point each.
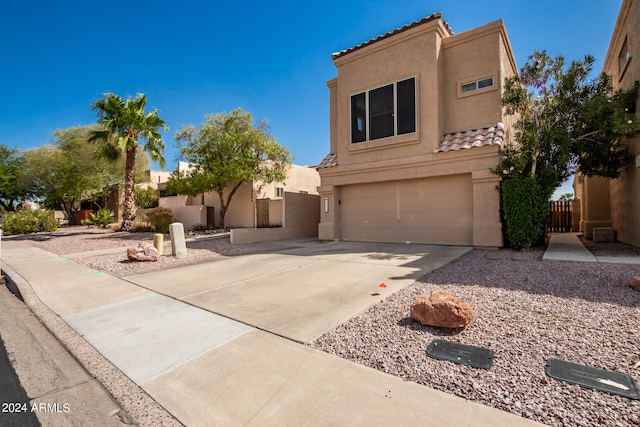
{"type": "Point", "coordinates": [560, 216]}
{"type": "Point", "coordinates": [211, 219]}
{"type": "Point", "coordinates": [262, 213]}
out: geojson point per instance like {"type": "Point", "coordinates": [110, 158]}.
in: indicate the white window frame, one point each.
{"type": "Point", "coordinates": [279, 192]}
{"type": "Point", "coordinates": [476, 81]}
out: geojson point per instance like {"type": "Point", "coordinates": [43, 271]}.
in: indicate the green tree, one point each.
{"type": "Point", "coordinates": [226, 151]}
{"type": "Point", "coordinates": [124, 125]}
{"type": "Point", "coordinates": [146, 198]}
{"type": "Point", "coordinates": [12, 189]}
{"type": "Point", "coordinates": [566, 123]}
{"type": "Point", "coordinates": [70, 171]}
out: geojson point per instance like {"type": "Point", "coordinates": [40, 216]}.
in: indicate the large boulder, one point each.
{"type": "Point", "coordinates": [635, 283]}
{"type": "Point", "coordinates": [143, 253]}
{"type": "Point", "coordinates": [442, 310]}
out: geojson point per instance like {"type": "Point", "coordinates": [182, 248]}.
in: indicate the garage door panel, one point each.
{"type": "Point", "coordinates": [434, 210]}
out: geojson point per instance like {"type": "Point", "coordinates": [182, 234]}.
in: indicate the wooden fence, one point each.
{"type": "Point", "coordinates": [560, 213]}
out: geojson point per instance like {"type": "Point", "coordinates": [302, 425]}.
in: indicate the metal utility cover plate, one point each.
{"type": "Point", "coordinates": [598, 379]}
{"type": "Point", "coordinates": [461, 354]}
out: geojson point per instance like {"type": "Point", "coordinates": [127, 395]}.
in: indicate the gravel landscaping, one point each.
{"type": "Point", "coordinates": [87, 246]}
{"type": "Point", "coordinates": [525, 309]}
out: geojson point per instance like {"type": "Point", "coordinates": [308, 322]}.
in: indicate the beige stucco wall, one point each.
{"type": "Point", "coordinates": [301, 217]}
{"type": "Point", "coordinates": [595, 203]}
{"type": "Point", "coordinates": [156, 177]}
{"type": "Point", "coordinates": [299, 178]}
{"type": "Point", "coordinates": [625, 191]}
{"type": "Point", "coordinates": [241, 211]}
{"type": "Point", "coordinates": [470, 56]}
{"type": "Point", "coordinates": [440, 63]}
{"type": "Point", "coordinates": [189, 216]}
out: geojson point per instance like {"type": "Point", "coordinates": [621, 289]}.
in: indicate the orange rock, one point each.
{"type": "Point", "coordinates": [441, 309]}
{"type": "Point", "coordinates": [635, 283]}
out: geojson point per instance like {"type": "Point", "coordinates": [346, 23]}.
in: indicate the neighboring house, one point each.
{"type": "Point", "coordinates": [616, 203]}
{"type": "Point", "coordinates": [416, 125]}
{"type": "Point", "coordinates": [253, 205]}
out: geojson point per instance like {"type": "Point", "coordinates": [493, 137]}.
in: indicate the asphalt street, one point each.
{"type": "Point", "coordinates": [40, 382]}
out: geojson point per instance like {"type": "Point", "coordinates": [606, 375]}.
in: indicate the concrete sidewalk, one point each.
{"type": "Point", "coordinates": [247, 367]}
{"type": "Point", "coordinates": [567, 247]}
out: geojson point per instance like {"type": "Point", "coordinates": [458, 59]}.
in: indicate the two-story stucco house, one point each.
{"type": "Point", "coordinates": [416, 125]}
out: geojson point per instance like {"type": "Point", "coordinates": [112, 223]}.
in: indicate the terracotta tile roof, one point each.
{"type": "Point", "coordinates": [493, 135]}
{"type": "Point", "coordinates": [433, 17]}
{"type": "Point", "coordinates": [329, 161]}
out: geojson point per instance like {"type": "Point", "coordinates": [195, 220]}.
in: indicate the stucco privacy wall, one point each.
{"type": "Point", "coordinates": [390, 188]}
{"type": "Point", "coordinates": [625, 191]}
{"type": "Point", "coordinates": [301, 217]}
{"type": "Point", "coordinates": [189, 216]}
{"type": "Point", "coordinates": [242, 210]}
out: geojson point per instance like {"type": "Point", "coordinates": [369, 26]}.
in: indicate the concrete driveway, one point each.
{"type": "Point", "coordinates": [301, 292]}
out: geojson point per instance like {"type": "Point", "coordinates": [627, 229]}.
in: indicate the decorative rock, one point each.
{"type": "Point", "coordinates": [143, 253]}
{"type": "Point", "coordinates": [635, 283]}
{"type": "Point", "coordinates": [442, 310]}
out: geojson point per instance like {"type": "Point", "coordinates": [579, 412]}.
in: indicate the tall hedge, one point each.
{"type": "Point", "coordinates": [525, 210]}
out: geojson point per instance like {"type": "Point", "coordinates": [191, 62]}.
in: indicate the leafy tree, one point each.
{"type": "Point", "coordinates": [124, 124]}
{"type": "Point", "coordinates": [70, 171]}
{"type": "Point", "coordinates": [566, 122]}
{"type": "Point", "coordinates": [146, 198]}
{"type": "Point", "coordinates": [226, 151]}
{"type": "Point", "coordinates": [604, 126]}
{"type": "Point", "coordinates": [12, 189]}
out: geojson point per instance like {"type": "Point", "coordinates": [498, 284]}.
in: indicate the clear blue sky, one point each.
{"type": "Point", "coordinates": [273, 58]}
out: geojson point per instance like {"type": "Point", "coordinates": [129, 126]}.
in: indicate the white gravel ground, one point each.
{"type": "Point", "coordinates": [525, 309]}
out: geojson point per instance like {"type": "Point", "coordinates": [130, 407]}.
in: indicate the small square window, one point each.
{"type": "Point", "coordinates": [279, 191]}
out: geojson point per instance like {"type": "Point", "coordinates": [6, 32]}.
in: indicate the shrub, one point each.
{"type": "Point", "coordinates": [524, 206]}
{"type": "Point", "coordinates": [160, 219]}
{"type": "Point", "coordinates": [29, 221]}
{"type": "Point", "coordinates": [102, 218]}
{"type": "Point", "coordinates": [141, 227]}
{"type": "Point", "coordinates": [145, 198]}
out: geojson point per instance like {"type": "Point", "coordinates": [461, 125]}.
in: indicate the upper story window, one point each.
{"type": "Point", "coordinates": [383, 112]}
{"type": "Point", "coordinates": [279, 191]}
{"type": "Point", "coordinates": [477, 85]}
{"type": "Point", "coordinates": [623, 58]}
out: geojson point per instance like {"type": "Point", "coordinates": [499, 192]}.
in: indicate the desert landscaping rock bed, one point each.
{"type": "Point", "coordinates": [526, 310]}
{"type": "Point", "coordinates": [83, 241]}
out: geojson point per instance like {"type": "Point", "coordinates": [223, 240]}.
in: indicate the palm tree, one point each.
{"type": "Point", "coordinates": [124, 124]}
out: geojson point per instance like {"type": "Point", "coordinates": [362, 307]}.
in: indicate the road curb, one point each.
{"type": "Point", "coordinates": [136, 402]}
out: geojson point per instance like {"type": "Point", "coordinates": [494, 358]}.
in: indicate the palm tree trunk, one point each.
{"type": "Point", "coordinates": [129, 205]}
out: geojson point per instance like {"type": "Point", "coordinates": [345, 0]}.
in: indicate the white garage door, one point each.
{"type": "Point", "coordinates": [434, 210]}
